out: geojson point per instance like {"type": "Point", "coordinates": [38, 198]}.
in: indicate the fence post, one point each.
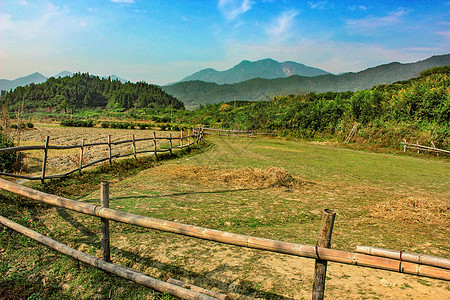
{"type": "Point", "coordinates": [418, 149]}
{"type": "Point", "coordinates": [170, 142]}
{"type": "Point", "coordinates": [44, 161]}
{"type": "Point", "coordinates": [134, 148]}
{"type": "Point", "coordinates": [404, 146]}
{"type": "Point", "coordinates": [154, 143]}
{"type": "Point", "coordinates": [189, 138]}
{"type": "Point", "coordinates": [320, 271]}
{"type": "Point", "coordinates": [105, 223]}
{"type": "Point", "coordinates": [109, 148]}
{"type": "Point", "coordinates": [81, 154]}
{"type": "Point", "coordinates": [181, 139]}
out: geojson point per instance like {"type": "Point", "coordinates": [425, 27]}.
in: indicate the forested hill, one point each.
{"type": "Point", "coordinates": [87, 91]}
{"type": "Point", "coordinates": [195, 93]}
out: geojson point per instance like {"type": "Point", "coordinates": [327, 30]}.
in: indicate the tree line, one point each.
{"type": "Point", "coordinates": [85, 91]}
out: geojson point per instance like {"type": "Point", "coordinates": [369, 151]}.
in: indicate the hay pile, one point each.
{"type": "Point", "coordinates": [415, 210]}
{"type": "Point", "coordinates": [246, 177]}
{"type": "Point", "coordinates": [270, 177]}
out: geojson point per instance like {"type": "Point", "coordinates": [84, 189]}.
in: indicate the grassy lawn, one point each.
{"type": "Point", "coordinates": [384, 200]}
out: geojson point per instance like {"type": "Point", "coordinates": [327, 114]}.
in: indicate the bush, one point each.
{"type": "Point", "coordinates": [30, 125]}
{"type": "Point", "coordinates": [9, 161]}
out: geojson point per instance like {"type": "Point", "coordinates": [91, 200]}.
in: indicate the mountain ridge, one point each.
{"type": "Point", "coordinates": [195, 93]}
{"type": "Point", "coordinates": [265, 68]}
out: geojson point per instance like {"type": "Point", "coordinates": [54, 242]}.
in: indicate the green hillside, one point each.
{"type": "Point", "coordinates": [84, 91]}
{"type": "Point", "coordinates": [195, 93]}
{"type": "Point", "coordinates": [418, 108]}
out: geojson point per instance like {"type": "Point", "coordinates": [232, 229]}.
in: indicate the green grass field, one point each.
{"type": "Point", "coordinates": [384, 200]}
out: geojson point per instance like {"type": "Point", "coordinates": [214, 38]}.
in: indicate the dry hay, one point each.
{"type": "Point", "coordinates": [255, 177]}
{"type": "Point", "coordinates": [415, 210]}
{"type": "Point", "coordinates": [269, 177]}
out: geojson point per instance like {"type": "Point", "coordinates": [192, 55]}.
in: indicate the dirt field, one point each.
{"type": "Point", "coordinates": [60, 161]}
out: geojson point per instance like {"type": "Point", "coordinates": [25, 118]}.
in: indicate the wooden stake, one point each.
{"type": "Point", "coordinates": [181, 139]}
{"type": "Point", "coordinates": [44, 161]}
{"type": "Point", "coordinates": [109, 147]}
{"type": "Point", "coordinates": [189, 138]}
{"type": "Point", "coordinates": [170, 142]}
{"type": "Point", "coordinates": [105, 223]}
{"type": "Point", "coordinates": [320, 271]}
{"type": "Point", "coordinates": [404, 146]}
{"type": "Point", "coordinates": [154, 143]}
{"type": "Point", "coordinates": [81, 154]}
{"type": "Point", "coordinates": [134, 148]}
{"type": "Point", "coordinates": [418, 150]}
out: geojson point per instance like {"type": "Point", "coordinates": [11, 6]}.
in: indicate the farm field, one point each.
{"type": "Point", "coordinates": [272, 188]}
{"type": "Point", "coordinates": [65, 160]}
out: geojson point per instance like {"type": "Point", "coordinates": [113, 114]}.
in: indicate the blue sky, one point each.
{"type": "Point", "coordinates": [161, 41]}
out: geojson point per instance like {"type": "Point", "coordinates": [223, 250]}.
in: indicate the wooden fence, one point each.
{"type": "Point", "coordinates": [419, 148]}
{"type": "Point", "coordinates": [229, 132]}
{"type": "Point", "coordinates": [396, 261]}
{"type": "Point", "coordinates": [191, 138]}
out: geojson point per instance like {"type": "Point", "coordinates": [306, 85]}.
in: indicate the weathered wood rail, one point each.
{"type": "Point", "coordinates": [419, 148]}
{"type": "Point", "coordinates": [191, 138]}
{"type": "Point", "coordinates": [230, 132]}
{"type": "Point", "coordinates": [424, 267]}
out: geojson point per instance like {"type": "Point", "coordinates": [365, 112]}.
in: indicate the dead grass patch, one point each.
{"type": "Point", "coordinates": [255, 177]}
{"type": "Point", "coordinates": [415, 209]}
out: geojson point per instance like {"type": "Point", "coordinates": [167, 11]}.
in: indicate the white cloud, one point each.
{"type": "Point", "coordinates": [280, 29]}
{"type": "Point", "coordinates": [123, 1]}
{"type": "Point", "coordinates": [371, 23]}
{"type": "Point", "coordinates": [318, 4]}
{"type": "Point", "coordinates": [232, 9]}
{"type": "Point", "coordinates": [445, 34]}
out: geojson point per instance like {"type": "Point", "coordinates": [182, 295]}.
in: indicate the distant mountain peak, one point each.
{"type": "Point", "coordinates": [267, 68]}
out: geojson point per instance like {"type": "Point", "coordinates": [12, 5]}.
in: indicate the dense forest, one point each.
{"type": "Point", "coordinates": [84, 91]}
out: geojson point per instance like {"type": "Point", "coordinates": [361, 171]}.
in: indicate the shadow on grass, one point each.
{"type": "Point", "coordinates": [205, 280]}
{"type": "Point", "coordinates": [188, 193]}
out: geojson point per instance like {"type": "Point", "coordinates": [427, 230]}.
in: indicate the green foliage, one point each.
{"type": "Point", "coordinates": [77, 123]}
{"type": "Point", "coordinates": [9, 161]}
{"type": "Point", "coordinates": [87, 91]}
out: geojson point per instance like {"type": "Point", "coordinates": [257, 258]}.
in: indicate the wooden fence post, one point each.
{"type": "Point", "coordinates": [189, 138]}
{"type": "Point", "coordinates": [418, 149]}
{"type": "Point", "coordinates": [181, 139]}
{"type": "Point", "coordinates": [109, 147]}
{"type": "Point", "coordinates": [404, 146]}
{"type": "Point", "coordinates": [134, 148]}
{"type": "Point", "coordinates": [154, 143]}
{"type": "Point", "coordinates": [105, 223]}
{"type": "Point", "coordinates": [320, 271]}
{"type": "Point", "coordinates": [81, 154]}
{"type": "Point", "coordinates": [44, 161]}
{"type": "Point", "coordinates": [170, 142]}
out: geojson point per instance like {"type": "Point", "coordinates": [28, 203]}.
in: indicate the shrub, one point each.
{"type": "Point", "coordinates": [30, 125]}
{"type": "Point", "coordinates": [9, 161]}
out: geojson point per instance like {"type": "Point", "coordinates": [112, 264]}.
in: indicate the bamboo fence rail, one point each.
{"type": "Point", "coordinates": [422, 148]}
{"type": "Point", "coordinates": [422, 259]}
{"type": "Point", "coordinates": [196, 135]}
{"type": "Point", "coordinates": [115, 269]}
{"type": "Point", "coordinates": [314, 252]}
{"type": "Point", "coordinates": [228, 132]}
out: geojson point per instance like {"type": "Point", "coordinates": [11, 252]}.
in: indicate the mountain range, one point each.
{"type": "Point", "coordinates": [195, 93]}
{"type": "Point", "coordinates": [37, 78]}
{"type": "Point", "coordinates": [246, 70]}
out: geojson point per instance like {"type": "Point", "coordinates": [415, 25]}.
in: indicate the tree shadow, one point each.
{"type": "Point", "coordinates": [204, 279]}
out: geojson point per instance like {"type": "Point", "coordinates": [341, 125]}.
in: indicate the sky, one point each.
{"type": "Point", "coordinates": [163, 41]}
